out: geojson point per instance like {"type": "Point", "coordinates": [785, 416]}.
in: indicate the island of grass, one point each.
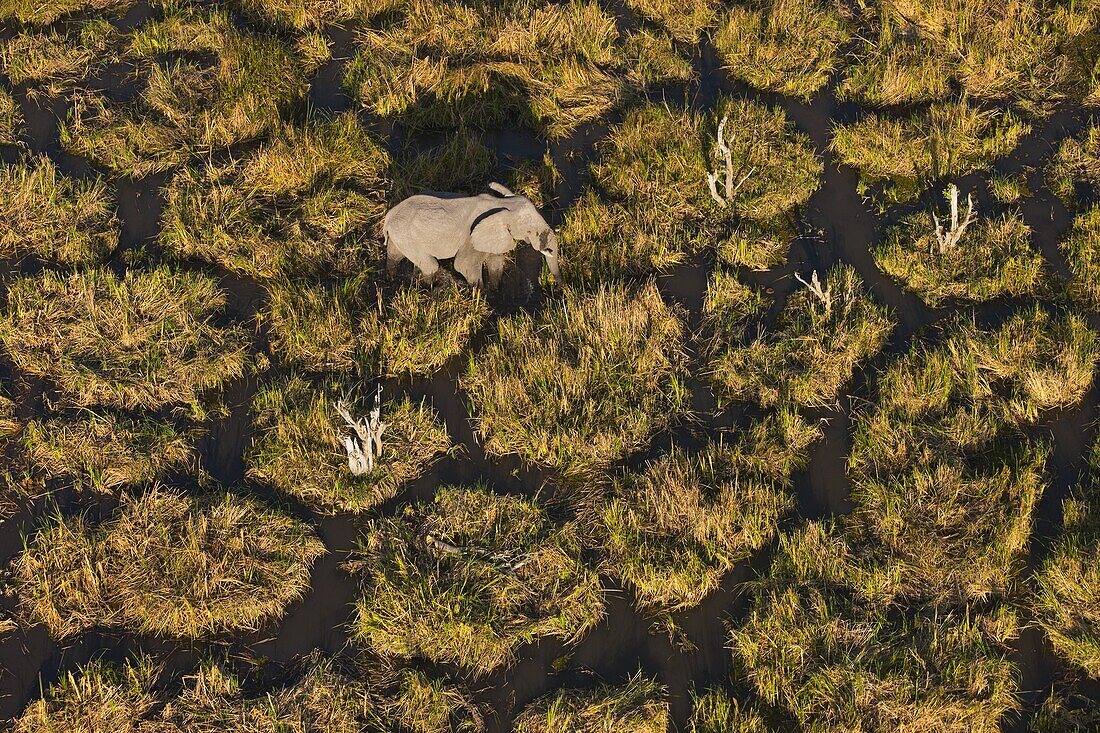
{"type": "Point", "coordinates": [1067, 603]}
{"type": "Point", "coordinates": [351, 325]}
{"type": "Point", "coordinates": [544, 65]}
{"type": "Point", "coordinates": [54, 217]}
{"type": "Point", "coordinates": [639, 706]}
{"type": "Point", "coordinates": [470, 577]}
{"type": "Point", "coordinates": [46, 12]}
{"type": "Point", "coordinates": [306, 202]}
{"type": "Point", "coordinates": [133, 696]}
{"type": "Point", "coordinates": [717, 712]}
{"type": "Point", "coordinates": [53, 61]}
{"type": "Point", "coordinates": [812, 650]}
{"type": "Point", "coordinates": [897, 159]}
{"type": "Point", "coordinates": [297, 449]}
{"type": "Point", "coordinates": [1075, 168]}
{"type": "Point", "coordinates": [11, 119]}
{"type": "Point", "coordinates": [991, 259]}
{"type": "Point", "coordinates": [787, 46]}
{"type": "Point", "coordinates": [807, 356]}
{"type": "Point", "coordinates": [590, 379]}
{"type": "Point", "coordinates": [144, 340]}
{"type": "Point", "coordinates": [167, 564]}
{"type": "Point", "coordinates": [188, 108]}
{"type": "Point", "coordinates": [649, 205]}
{"type": "Point", "coordinates": [106, 451]}
{"type": "Point", "coordinates": [1081, 248]}
{"type": "Point", "coordinates": [944, 480]}
{"type": "Point", "coordinates": [676, 527]}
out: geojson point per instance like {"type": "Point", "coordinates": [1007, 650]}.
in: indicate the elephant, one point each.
{"type": "Point", "coordinates": [478, 231]}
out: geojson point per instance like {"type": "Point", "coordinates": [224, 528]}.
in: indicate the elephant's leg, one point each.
{"type": "Point", "coordinates": [393, 256]}
{"type": "Point", "coordinates": [496, 269]}
{"type": "Point", "coordinates": [427, 265]}
{"type": "Point", "coordinates": [469, 263]}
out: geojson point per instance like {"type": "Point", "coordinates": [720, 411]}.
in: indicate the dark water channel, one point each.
{"type": "Point", "coordinates": [838, 226]}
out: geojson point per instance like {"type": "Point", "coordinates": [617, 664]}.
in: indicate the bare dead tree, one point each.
{"type": "Point", "coordinates": [950, 238]}
{"type": "Point", "coordinates": [822, 293]}
{"type": "Point", "coordinates": [364, 442]}
{"type": "Point", "coordinates": [726, 154]}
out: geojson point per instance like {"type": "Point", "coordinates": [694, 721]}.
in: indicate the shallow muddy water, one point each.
{"type": "Point", "coordinates": [838, 226]}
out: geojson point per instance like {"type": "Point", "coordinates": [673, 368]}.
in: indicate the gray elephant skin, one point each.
{"type": "Point", "coordinates": [477, 231]}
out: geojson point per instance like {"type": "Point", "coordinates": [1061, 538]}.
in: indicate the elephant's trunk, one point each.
{"type": "Point", "coordinates": [552, 263]}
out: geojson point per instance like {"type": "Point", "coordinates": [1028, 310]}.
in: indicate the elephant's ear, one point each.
{"type": "Point", "coordinates": [491, 236]}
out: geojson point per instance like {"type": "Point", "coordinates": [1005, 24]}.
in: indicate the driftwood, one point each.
{"type": "Point", "coordinates": [949, 238]}
{"type": "Point", "coordinates": [364, 443]}
{"type": "Point", "coordinates": [730, 188]}
{"type": "Point", "coordinates": [822, 293]}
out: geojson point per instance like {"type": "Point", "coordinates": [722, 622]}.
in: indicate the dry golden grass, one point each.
{"type": "Point", "coordinates": [306, 202]}
{"type": "Point", "coordinates": [637, 706]}
{"type": "Point", "coordinates": [1067, 602]}
{"type": "Point", "coordinates": [788, 46]}
{"type": "Point", "coordinates": [1081, 247]}
{"type": "Point", "coordinates": [167, 564]}
{"type": "Point", "coordinates": [592, 378]}
{"type": "Point", "coordinates": [540, 64]}
{"type": "Point", "coordinates": [45, 12]}
{"type": "Point", "coordinates": [717, 712]}
{"type": "Point", "coordinates": [807, 356]}
{"type": "Point", "coordinates": [52, 61]}
{"type": "Point", "coordinates": [11, 119]}
{"type": "Point", "coordinates": [426, 705]}
{"type": "Point", "coordinates": [812, 651]}
{"type": "Point", "coordinates": [185, 108]}
{"type": "Point", "coordinates": [131, 698]}
{"type": "Point", "coordinates": [684, 21]}
{"type": "Point", "coordinates": [143, 340]}
{"type": "Point", "coordinates": [303, 14]}
{"type": "Point", "coordinates": [105, 451]}
{"type": "Point", "coordinates": [673, 529]}
{"type": "Point", "coordinates": [55, 217]}
{"type": "Point", "coordinates": [296, 449]}
{"type": "Point", "coordinates": [470, 577]}
{"type": "Point", "coordinates": [993, 259]}
{"type": "Point", "coordinates": [899, 158]}
{"type": "Point", "coordinates": [944, 479]}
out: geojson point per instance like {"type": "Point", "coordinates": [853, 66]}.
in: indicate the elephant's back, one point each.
{"type": "Point", "coordinates": [427, 223]}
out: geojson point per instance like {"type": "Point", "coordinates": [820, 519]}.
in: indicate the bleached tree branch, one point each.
{"type": "Point", "coordinates": [722, 150]}
{"type": "Point", "coordinates": [951, 237]}
{"type": "Point", "coordinates": [364, 443]}
{"type": "Point", "coordinates": [822, 293]}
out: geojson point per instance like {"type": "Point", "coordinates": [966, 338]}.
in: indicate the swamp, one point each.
{"type": "Point", "coordinates": [776, 411]}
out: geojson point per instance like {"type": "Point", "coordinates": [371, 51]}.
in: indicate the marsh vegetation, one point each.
{"type": "Point", "coordinates": [797, 439]}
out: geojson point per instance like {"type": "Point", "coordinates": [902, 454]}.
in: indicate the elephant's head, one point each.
{"type": "Point", "coordinates": [525, 224]}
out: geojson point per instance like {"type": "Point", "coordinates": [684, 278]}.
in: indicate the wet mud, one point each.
{"type": "Point", "coordinates": [837, 226]}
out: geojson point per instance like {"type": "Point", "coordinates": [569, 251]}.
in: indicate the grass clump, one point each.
{"type": "Point", "coordinates": [944, 479]}
{"type": "Point", "coordinates": [584, 383]}
{"type": "Point", "coordinates": [787, 46]}
{"type": "Point", "coordinates": [650, 206]}
{"type": "Point", "coordinates": [901, 157]}
{"type": "Point", "coordinates": [426, 705]}
{"type": "Point", "coordinates": [297, 449]}
{"type": "Point", "coordinates": [414, 331]}
{"type": "Point", "coordinates": [52, 61]}
{"type": "Point", "coordinates": [39, 12]}
{"type": "Point", "coordinates": [167, 564]}
{"type": "Point", "coordinates": [1067, 602]}
{"type": "Point", "coordinates": [301, 14]}
{"type": "Point", "coordinates": [1081, 247]}
{"type": "Point", "coordinates": [637, 706]}
{"type": "Point", "coordinates": [470, 577]}
{"type": "Point", "coordinates": [104, 451]}
{"type": "Point", "coordinates": [129, 697]}
{"type": "Point", "coordinates": [47, 214]}
{"type": "Point", "coordinates": [11, 119]}
{"type": "Point", "coordinates": [188, 108]}
{"type": "Point", "coordinates": [1009, 189]}
{"type": "Point", "coordinates": [808, 354]}
{"type": "Point", "coordinates": [684, 21]}
{"type": "Point", "coordinates": [717, 712]}
{"type": "Point", "coordinates": [1066, 711]}
{"type": "Point", "coordinates": [676, 527]}
{"type": "Point", "coordinates": [145, 340]}
{"type": "Point", "coordinates": [993, 259]}
{"type": "Point", "coordinates": [1076, 166]}
{"type": "Point", "coordinates": [102, 697]}
{"type": "Point", "coordinates": [544, 65]}
{"type": "Point", "coordinates": [810, 649]}
{"type": "Point", "coordinates": [304, 203]}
